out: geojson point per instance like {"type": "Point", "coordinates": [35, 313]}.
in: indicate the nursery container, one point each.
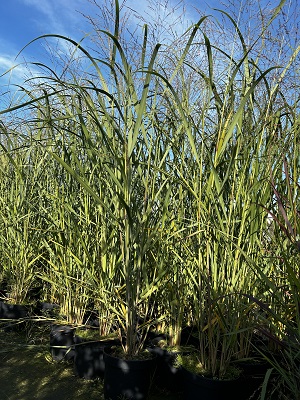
{"type": "Point", "coordinates": [199, 387]}
{"type": "Point", "coordinates": [167, 375]}
{"type": "Point", "coordinates": [253, 374]}
{"type": "Point", "coordinates": [89, 359]}
{"type": "Point", "coordinates": [13, 311]}
{"type": "Point", "coordinates": [127, 379]}
{"type": "Point", "coordinates": [12, 316]}
{"type": "Point", "coordinates": [45, 307]}
{"type": "Point", "coordinates": [62, 342]}
{"type": "Point", "coordinates": [189, 336]}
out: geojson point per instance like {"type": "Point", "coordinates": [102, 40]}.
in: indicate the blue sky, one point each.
{"type": "Point", "coordinates": [23, 20]}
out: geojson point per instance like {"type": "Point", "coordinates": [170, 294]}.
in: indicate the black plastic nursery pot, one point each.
{"type": "Point", "coordinates": [13, 311]}
{"type": "Point", "coordinates": [153, 338]}
{"type": "Point", "coordinates": [253, 374]}
{"type": "Point", "coordinates": [89, 359]}
{"type": "Point", "coordinates": [167, 376]}
{"type": "Point", "coordinates": [48, 308]}
{"type": "Point", "coordinates": [200, 387]}
{"type": "Point", "coordinates": [62, 342]}
{"type": "Point", "coordinates": [127, 379]}
{"type": "Point", "coordinates": [12, 316]}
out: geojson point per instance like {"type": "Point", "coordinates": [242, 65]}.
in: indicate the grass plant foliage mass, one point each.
{"type": "Point", "coordinates": [193, 364]}
{"type": "Point", "coordinates": [160, 191]}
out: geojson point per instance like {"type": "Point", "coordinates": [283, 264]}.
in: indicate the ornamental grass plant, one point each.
{"type": "Point", "coordinates": [21, 220]}
{"type": "Point", "coordinates": [145, 190]}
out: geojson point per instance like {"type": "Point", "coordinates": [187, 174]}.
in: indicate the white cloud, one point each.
{"type": "Point", "coordinates": [10, 68]}
{"type": "Point", "coordinates": [59, 16]}
{"type": "Point", "coordinates": [13, 72]}
{"type": "Point", "coordinates": [63, 17]}
{"type": "Point", "coordinates": [45, 8]}
{"type": "Point", "coordinates": [5, 63]}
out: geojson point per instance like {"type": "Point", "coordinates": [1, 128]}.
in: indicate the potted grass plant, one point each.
{"type": "Point", "coordinates": [198, 383]}
{"type": "Point", "coordinates": [280, 317]}
{"type": "Point", "coordinates": [129, 131]}
{"type": "Point", "coordinates": [119, 114]}
{"type": "Point", "coordinates": [218, 269]}
{"type": "Point", "coordinates": [20, 241]}
{"type": "Point", "coordinates": [174, 300]}
{"type": "Point", "coordinates": [209, 372]}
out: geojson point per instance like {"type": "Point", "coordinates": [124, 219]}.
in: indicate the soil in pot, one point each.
{"type": "Point", "coordinates": [62, 342]}
{"type": "Point", "coordinates": [127, 379]}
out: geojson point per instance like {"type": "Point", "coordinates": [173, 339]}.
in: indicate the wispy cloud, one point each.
{"type": "Point", "coordinates": [13, 76]}
{"type": "Point", "coordinates": [59, 16]}
{"type": "Point", "coordinates": [64, 17]}
{"type": "Point", "coordinates": [13, 72]}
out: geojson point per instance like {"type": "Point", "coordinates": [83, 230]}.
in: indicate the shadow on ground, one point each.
{"type": "Point", "coordinates": [27, 371]}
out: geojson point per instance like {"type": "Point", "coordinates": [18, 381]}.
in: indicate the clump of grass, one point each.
{"type": "Point", "coordinates": [143, 191]}
{"type": "Point", "coordinates": [192, 363]}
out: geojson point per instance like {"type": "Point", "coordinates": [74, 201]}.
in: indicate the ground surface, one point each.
{"type": "Point", "coordinates": [27, 371]}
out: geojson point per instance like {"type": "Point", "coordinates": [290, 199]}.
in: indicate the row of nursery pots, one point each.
{"type": "Point", "coordinates": [19, 311]}
{"type": "Point", "coordinates": [133, 379]}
